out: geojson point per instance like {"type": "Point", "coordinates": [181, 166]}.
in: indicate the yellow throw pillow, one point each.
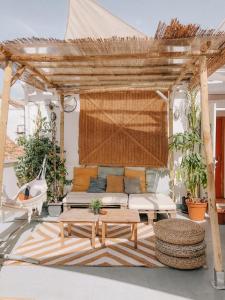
{"type": "Point", "coordinates": [115, 184]}
{"type": "Point", "coordinates": [130, 173]}
{"type": "Point", "coordinates": [81, 178]}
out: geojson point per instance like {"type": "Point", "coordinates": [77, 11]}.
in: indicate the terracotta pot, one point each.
{"type": "Point", "coordinates": [197, 210]}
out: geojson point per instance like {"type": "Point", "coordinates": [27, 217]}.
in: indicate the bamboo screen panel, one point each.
{"type": "Point", "coordinates": [123, 129]}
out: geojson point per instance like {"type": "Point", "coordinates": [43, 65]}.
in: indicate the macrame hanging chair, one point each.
{"type": "Point", "coordinates": [37, 194]}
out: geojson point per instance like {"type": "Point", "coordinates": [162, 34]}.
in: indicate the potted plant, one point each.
{"type": "Point", "coordinates": [96, 206]}
{"type": "Point", "coordinates": [192, 168]}
{"type": "Point", "coordinates": [35, 148]}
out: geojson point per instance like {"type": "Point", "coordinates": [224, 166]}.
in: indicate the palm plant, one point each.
{"type": "Point", "coordinates": [192, 169]}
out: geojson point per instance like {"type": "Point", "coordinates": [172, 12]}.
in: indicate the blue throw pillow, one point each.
{"type": "Point", "coordinates": [97, 185]}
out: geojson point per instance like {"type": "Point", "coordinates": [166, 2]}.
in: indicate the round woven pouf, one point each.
{"type": "Point", "coordinates": [179, 232]}
{"type": "Point", "coordinates": [180, 262]}
{"type": "Point", "coordinates": [185, 251]}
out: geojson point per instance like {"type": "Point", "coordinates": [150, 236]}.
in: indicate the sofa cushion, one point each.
{"type": "Point", "coordinates": [97, 185]}
{"type": "Point", "coordinates": [106, 198]}
{"type": "Point", "coordinates": [132, 185]}
{"type": "Point", "coordinates": [105, 171]}
{"type": "Point", "coordinates": [115, 184]}
{"type": "Point", "coordinates": [134, 173]}
{"type": "Point", "coordinates": [151, 201]}
{"type": "Point", "coordinates": [81, 178]}
{"type": "Point", "coordinates": [157, 181]}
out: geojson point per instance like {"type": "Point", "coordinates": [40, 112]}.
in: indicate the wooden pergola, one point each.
{"type": "Point", "coordinates": [183, 56]}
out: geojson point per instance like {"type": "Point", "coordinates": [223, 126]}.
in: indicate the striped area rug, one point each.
{"type": "Point", "coordinates": [45, 244]}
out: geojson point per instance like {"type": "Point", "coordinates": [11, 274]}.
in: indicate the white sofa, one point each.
{"type": "Point", "coordinates": [152, 203]}
{"type": "Point", "coordinates": [84, 199]}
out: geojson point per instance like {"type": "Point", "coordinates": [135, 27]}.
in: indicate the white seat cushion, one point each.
{"type": "Point", "coordinates": [106, 198]}
{"type": "Point", "coordinates": [151, 201]}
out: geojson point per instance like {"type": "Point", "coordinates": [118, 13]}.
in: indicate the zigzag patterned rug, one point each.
{"type": "Point", "coordinates": [45, 245]}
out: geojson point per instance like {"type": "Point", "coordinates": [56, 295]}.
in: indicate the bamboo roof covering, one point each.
{"type": "Point", "coordinates": [90, 65]}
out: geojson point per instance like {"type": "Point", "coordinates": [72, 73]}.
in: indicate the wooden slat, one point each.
{"type": "Point", "coordinates": [18, 74]}
{"type": "Point", "coordinates": [207, 140]}
{"type": "Point", "coordinates": [4, 117]}
{"type": "Point", "coordinates": [74, 68]}
{"type": "Point", "coordinates": [79, 58]}
{"type": "Point", "coordinates": [110, 89]}
{"type": "Point", "coordinates": [72, 78]}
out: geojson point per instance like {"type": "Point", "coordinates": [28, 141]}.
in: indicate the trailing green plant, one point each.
{"type": "Point", "coordinates": [35, 148]}
{"type": "Point", "coordinates": [192, 168]}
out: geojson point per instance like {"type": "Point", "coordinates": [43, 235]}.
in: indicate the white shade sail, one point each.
{"type": "Point", "coordinates": [87, 19]}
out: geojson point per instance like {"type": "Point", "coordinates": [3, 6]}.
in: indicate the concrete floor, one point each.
{"type": "Point", "coordinates": [53, 283]}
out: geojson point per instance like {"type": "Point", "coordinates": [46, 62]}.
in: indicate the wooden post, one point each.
{"type": "Point", "coordinates": [171, 154]}
{"type": "Point", "coordinates": [62, 127]}
{"type": "Point", "coordinates": [210, 166]}
{"type": "Point", "coordinates": [4, 118]}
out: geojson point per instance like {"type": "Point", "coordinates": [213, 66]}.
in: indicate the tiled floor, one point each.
{"type": "Point", "coordinates": [48, 283]}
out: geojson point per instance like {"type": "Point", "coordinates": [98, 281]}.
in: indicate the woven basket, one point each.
{"type": "Point", "coordinates": [181, 263]}
{"type": "Point", "coordinates": [179, 232]}
{"type": "Point", "coordinates": [188, 251]}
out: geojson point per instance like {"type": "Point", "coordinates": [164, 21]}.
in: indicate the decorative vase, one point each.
{"type": "Point", "coordinates": [54, 209]}
{"type": "Point", "coordinates": [196, 210]}
{"type": "Point", "coordinates": [184, 207]}
{"type": "Point", "coordinates": [96, 211]}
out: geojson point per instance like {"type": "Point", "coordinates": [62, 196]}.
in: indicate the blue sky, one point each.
{"type": "Point", "coordinates": [48, 18]}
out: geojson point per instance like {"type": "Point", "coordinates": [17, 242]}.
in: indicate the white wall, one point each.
{"type": "Point", "coordinates": [15, 118]}
{"type": "Point", "coordinates": [71, 139]}
{"type": "Point", "coordinates": [10, 180]}
{"type": "Point", "coordinates": [179, 125]}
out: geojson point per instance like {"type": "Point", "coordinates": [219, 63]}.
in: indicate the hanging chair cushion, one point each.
{"type": "Point", "coordinates": [23, 197]}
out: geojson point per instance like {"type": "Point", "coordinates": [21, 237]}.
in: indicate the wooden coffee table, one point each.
{"type": "Point", "coordinates": [77, 216]}
{"type": "Point", "coordinates": [120, 216]}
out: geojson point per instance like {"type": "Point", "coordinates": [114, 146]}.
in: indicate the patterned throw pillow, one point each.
{"type": "Point", "coordinates": [115, 184]}
{"type": "Point", "coordinates": [132, 185]}
{"type": "Point", "coordinates": [97, 185]}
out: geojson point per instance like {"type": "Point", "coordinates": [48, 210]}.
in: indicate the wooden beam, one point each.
{"type": "Point", "coordinates": [147, 67]}
{"type": "Point", "coordinates": [210, 166]}
{"type": "Point", "coordinates": [155, 86]}
{"type": "Point", "coordinates": [18, 74]}
{"type": "Point", "coordinates": [83, 58]}
{"type": "Point", "coordinates": [62, 127]}
{"type": "Point", "coordinates": [187, 68]}
{"type": "Point", "coordinates": [4, 118]}
{"type": "Point", "coordinates": [80, 84]}
{"type": "Point", "coordinates": [110, 89]}
{"type": "Point", "coordinates": [130, 77]}
{"type": "Point", "coordinates": [32, 69]}
{"type": "Point", "coordinates": [216, 97]}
